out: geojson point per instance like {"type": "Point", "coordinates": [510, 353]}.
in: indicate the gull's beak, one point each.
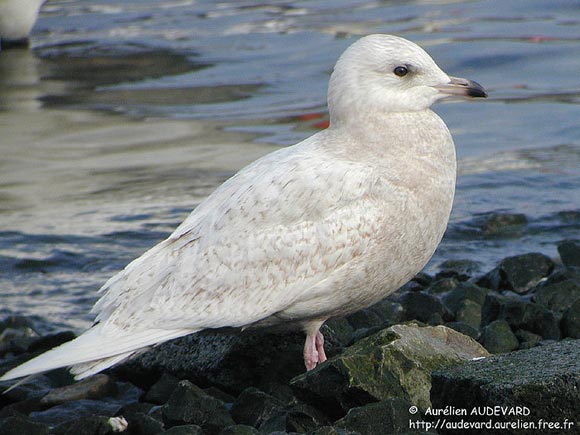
{"type": "Point", "coordinates": [463, 87]}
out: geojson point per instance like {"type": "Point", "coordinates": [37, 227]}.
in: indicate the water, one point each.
{"type": "Point", "coordinates": [125, 115]}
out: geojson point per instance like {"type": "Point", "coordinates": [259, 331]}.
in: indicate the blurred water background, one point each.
{"type": "Point", "coordinates": [124, 115]}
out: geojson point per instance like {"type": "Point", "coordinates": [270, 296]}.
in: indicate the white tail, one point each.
{"type": "Point", "coordinates": [94, 351]}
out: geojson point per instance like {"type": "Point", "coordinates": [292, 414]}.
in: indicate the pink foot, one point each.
{"type": "Point", "coordinates": [314, 350]}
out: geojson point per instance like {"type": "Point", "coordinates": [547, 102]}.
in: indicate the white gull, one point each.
{"type": "Point", "coordinates": [319, 229]}
{"type": "Point", "coordinates": [17, 17]}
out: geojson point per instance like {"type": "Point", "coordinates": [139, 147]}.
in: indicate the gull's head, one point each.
{"type": "Point", "coordinates": [384, 73]}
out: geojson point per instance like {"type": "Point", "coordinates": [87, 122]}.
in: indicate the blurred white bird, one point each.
{"type": "Point", "coordinates": [17, 17]}
{"type": "Point", "coordinates": [319, 229]}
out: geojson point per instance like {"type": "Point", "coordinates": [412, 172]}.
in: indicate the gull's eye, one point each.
{"type": "Point", "coordinates": [401, 71]}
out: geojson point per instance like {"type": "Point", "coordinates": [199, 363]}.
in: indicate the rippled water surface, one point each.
{"type": "Point", "coordinates": [125, 115]}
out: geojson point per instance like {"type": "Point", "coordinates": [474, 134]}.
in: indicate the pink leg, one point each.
{"type": "Point", "coordinates": [320, 347]}
{"type": "Point", "coordinates": [314, 348]}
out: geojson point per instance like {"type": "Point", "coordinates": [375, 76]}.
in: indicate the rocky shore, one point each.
{"type": "Point", "coordinates": [457, 352]}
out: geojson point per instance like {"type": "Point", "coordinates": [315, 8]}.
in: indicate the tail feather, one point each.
{"type": "Point", "coordinates": [84, 370]}
{"type": "Point", "coordinates": [94, 351]}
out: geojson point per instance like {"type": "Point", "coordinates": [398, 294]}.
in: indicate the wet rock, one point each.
{"type": "Point", "coordinates": [569, 251]}
{"type": "Point", "coordinates": [331, 430]}
{"type": "Point", "coordinates": [366, 318]}
{"type": "Point", "coordinates": [338, 330]}
{"type": "Point", "coordinates": [219, 394]}
{"type": "Point", "coordinates": [527, 339]}
{"type": "Point", "coordinates": [389, 311]}
{"type": "Point", "coordinates": [15, 340]}
{"type": "Point", "coordinates": [230, 362]}
{"type": "Point", "coordinates": [464, 328]}
{"type": "Point", "coordinates": [21, 409]}
{"type": "Point", "coordinates": [504, 224]}
{"type": "Point", "coordinates": [469, 312]}
{"type": "Point", "coordinates": [545, 379]}
{"type": "Point", "coordinates": [423, 279]}
{"type": "Point", "coordinates": [425, 308]}
{"type": "Point", "coordinates": [94, 387]}
{"type": "Point", "coordinates": [106, 406]}
{"type": "Point", "coordinates": [189, 404]}
{"type": "Point", "coordinates": [239, 429]}
{"type": "Point", "coordinates": [299, 418]}
{"type": "Point", "coordinates": [462, 292]}
{"type": "Point", "coordinates": [390, 416]}
{"type": "Point", "coordinates": [461, 269]}
{"type": "Point", "coordinates": [518, 273]}
{"type": "Point", "coordinates": [22, 426]}
{"type": "Point", "coordinates": [253, 407]}
{"type": "Point", "coordinates": [442, 285]}
{"type": "Point", "coordinates": [395, 362]}
{"type": "Point", "coordinates": [186, 429]}
{"type": "Point", "coordinates": [143, 424]}
{"type": "Point", "coordinates": [497, 337]}
{"type": "Point", "coordinates": [89, 425]}
{"type": "Point", "coordinates": [558, 296]}
{"type": "Point", "coordinates": [161, 390]}
{"type": "Point", "coordinates": [571, 321]}
{"type": "Point", "coordinates": [521, 314]}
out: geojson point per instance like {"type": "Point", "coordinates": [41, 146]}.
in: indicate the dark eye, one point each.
{"type": "Point", "coordinates": [401, 71]}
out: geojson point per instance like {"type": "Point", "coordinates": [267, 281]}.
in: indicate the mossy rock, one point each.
{"type": "Point", "coordinates": [394, 362]}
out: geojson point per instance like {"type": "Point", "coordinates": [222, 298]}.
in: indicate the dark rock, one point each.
{"type": "Point", "coordinates": [504, 224]}
{"type": "Point", "coordinates": [21, 409]}
{"type": "Point", "coordinates": [390, 311]}
{"type": "Point", "coordinates": [331, 430]}
{"type": "Point", "coordinates": [253, 407]}
{"type": "Point", "coordinates": [425, 308]}
{"type": "Point", "coordinates": [395, 362]}
{"type": "Point", "coordinates": [16, 340]}
{"type": "Point", "coordinates": [390, 416]}
{"type": "Point", "coordinates": [72, 410]}
{"type": "Point", "coordinates": [187, 429]}
{"type": "Point", "coordinates": [21, 426]}
{"type": "Point", "coordinates": [462, 269]}
{"type": "Point", "coordinates": [558, 296]}
{"type": "Point", "coordinates": [464, 328]}
{"type": "Point", "coordinates": [469, 312]}
{"type": "Point", "coordinates": [366, 318]}
{"type": "Point", "coordinates": [423, 279]}
{"type": "Point", "coordinates": [464, 291]}
{"type": "Point", "coordinates": [571, 321]}
{"type": "Point", "coordinates": [442, 285]}
{"type": "Point", "coordinates": [136, 407]}
{"type": "Point", "coordinates": [411, 286]}
{"type": "Point", "coordinates": [527, 339]}
{"type": "Point", "coordinates": [94, 387]}
{"type": "Point", "coordinates": [161, 390]}
{"type": "Point", "coordinates": [239, 429]}
{"type": "Point", "coordinates": [518, 273]}
{"type": "Point", "coordinates": [221, 395]}
{"type": "Point", "coordinates": [544, 379]}
{"type": "Point", "coordinates": [338, 331]}
{"type": "Point", "coordinates": [497, 337]}
{"type": "Point", "coordinates": [282, 392]}
{"type": "Point", "coordinates": [521, 314]}
{"type": "Point", "coordinates": [569, 251]}
{"type": "Point", "coordinates": [143, 424]}
{"type": "Point", "coordinates": [89, 425]}
{"type": "Point", "coordinates": [230, 362]}
{"type": "Point", "coordinates": [189, 404]}
{"type": "Point", "coordinates": [299, 418]}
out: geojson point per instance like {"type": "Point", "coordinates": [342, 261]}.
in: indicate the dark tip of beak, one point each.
{"type": "Point", "coordinates": [463, 87]}
{"type": "Point", "coordinates": [474, 89]}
